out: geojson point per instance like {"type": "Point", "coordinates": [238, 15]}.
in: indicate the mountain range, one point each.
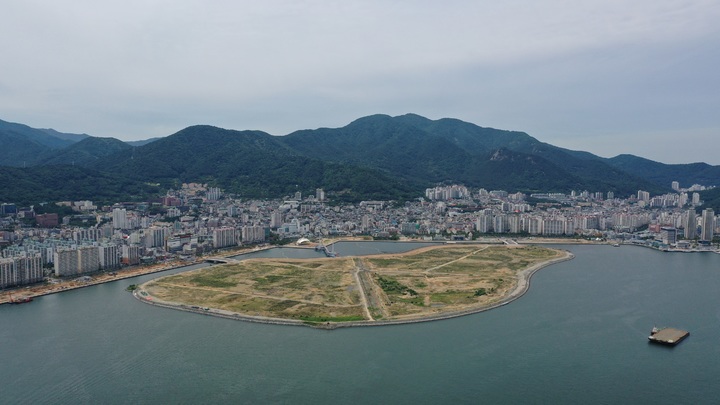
{"type": "Point", "coordinates": [374, 157]}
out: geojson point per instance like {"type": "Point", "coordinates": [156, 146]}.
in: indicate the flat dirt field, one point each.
{"type": "Point", "coordinates": [422, 283]}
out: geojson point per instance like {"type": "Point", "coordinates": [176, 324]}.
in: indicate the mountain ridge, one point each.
{"type": "Point", "coordinates": [372, 157]}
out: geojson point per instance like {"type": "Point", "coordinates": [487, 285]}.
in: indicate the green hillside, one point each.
{"type": "Point", "coordinates": [25, 146]}
{"type": "Point", "coordinates": [664, 174]}
{"type": "Point", "coordinates": [419, 149]}
{"type": "Point", "coordinates": [711, 199]}
{"type": "Point", "coordinates": [251, 163]}
{"type": "Point", "coordinates": [374, 157]}
{"type": "Point", "coordinates": [59, 183]}
{"type": "Point", "coordinates": [87, 152]}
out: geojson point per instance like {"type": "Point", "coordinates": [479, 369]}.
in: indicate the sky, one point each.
{"type": "Point", "coordinates": [604, 76]}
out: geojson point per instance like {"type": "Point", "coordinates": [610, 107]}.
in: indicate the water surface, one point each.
{"type": "Point", "coordinates": [578, 336]}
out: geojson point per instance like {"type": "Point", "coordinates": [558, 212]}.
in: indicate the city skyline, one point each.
{"type": "Point", "coordinates": [604, 77]}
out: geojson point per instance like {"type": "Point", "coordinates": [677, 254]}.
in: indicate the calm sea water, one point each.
{"type": "Point", "coordinates": [578, 336]}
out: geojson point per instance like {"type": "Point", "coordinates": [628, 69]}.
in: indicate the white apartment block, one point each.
{"type": "Point", "coordinates": [21, 270]}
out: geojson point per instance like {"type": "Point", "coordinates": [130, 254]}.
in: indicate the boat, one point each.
{"type": "Point", "coordinates": [667, 336]}
{"type": "Point", "coordinates": [20, 300]}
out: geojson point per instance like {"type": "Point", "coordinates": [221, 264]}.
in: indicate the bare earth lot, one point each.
{"type": "Point", "coordinates": [424, 283]}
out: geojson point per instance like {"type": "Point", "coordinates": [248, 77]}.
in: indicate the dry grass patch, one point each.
{"type": "Point", "coordinates": [414, 284]}
{"type": "Point", "coordinates": [451, 279]}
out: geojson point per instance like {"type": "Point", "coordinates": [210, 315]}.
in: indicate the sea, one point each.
{"type": "Point", "coordinates": [579, 336]}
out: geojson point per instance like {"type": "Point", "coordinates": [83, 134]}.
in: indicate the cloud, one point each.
{"type": "Point", "coordinates": [556, 69]}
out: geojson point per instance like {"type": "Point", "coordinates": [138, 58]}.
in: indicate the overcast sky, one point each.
{"type": "Point", "coordinates": [606, 76]}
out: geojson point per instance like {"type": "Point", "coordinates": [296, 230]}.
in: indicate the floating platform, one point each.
{"type": "Point", "coordinates": [668, 336]}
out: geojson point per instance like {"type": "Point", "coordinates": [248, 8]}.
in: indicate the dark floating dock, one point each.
{"type": "Point", "coordinates": [667, 336]}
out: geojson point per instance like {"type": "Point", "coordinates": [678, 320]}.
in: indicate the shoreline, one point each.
{"type": "Point", "coordinates": [35, 291]}
{"type": "Point", "coordinates": [39, 290]}
{"type": "Point", "coordinates": [523, 285]}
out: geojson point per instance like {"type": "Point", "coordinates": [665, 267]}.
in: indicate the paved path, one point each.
{"type": "Point", "coordinates": [456, 260]}
{"type": "Point", "coordinates": [361, 288]}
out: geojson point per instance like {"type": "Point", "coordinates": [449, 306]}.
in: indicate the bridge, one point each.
{"type": "Point", "coordinates": [328, 252]}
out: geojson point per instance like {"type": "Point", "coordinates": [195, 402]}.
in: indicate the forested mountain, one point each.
{"type": "Point", "coordinates": [142, 142]}
{"type": "Point", "coordinates": [46, 137]}
{"type": "Point", "coordinates": [252, 163]}
{"type": "Point", "coordinates": [391, 151]}
{"type": "Point", "coordinates": [86, 152]}
{"type": "Point", "coordinates": [26, 146]}
{"type": "Point", "coordinates": [664, 174]}
{"type": "Point", "coordinates": [375, 157]}
{"type": "Point", "coordinates": [420, 149]}
{"type": "Point", "coordinates": [18, 150]}
{"type": "Point", "coordinates": [711, 199]}
{"type": "Point", "coordinates": [71, 138]}
{"type": "Point", "coordinates": [59, 183]}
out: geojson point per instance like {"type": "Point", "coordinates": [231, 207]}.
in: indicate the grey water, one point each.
{"type": "Point", "coordinates": [578, 336]}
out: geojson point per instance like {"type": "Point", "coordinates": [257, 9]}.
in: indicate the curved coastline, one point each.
{"type": "Point", "coordinates": [102, 277]}
{"type": "Point", "coordinates": [521, 289]}
{"type": "Point", "coordinates": [34, 291]}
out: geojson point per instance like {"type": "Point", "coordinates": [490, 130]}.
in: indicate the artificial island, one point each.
{"type": "Point", "coordinates": [429, 283]}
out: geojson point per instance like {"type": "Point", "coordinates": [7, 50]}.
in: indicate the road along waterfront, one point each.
{"type": "Point", "coordinates": [39, 290]}
{"type": "Point", "coordinates": [82, 281]}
